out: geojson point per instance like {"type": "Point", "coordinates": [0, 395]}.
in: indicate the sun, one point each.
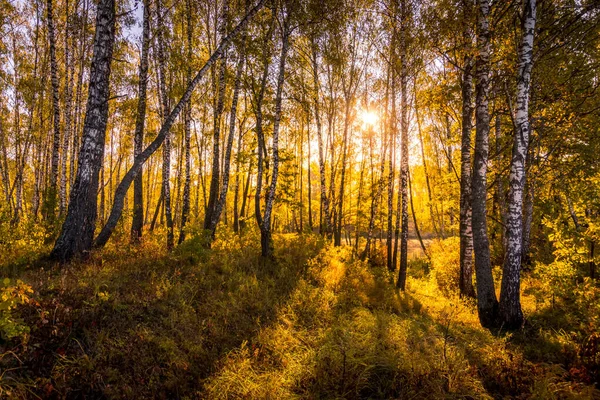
{"type": "Point", "coordinates": [369, 118]}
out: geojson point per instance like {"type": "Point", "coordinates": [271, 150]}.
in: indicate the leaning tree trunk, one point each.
{"type": "Point", "coordinates": [486, 296]}
{"type": "Point", "coordinates": [510, 313]}
{"type": "Point", "coordinates": [51, 195]}
{"type": "Point", "coordinates": [121, 191]}
{"type": "Point", "coordinates": [78, 229]}
{"type": "Point", "coordinates": [137, 223]}
{"type": "Point", "coordinates": [466, 230]}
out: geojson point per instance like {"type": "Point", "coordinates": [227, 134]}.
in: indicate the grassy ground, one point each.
{"type": "Point", "coordinates": [134, 322]}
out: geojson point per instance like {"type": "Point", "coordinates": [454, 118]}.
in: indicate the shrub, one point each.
{"type": "Point", "coordinates": [445, 262]}
{"type": "Point", "coordinates": [12, 296]}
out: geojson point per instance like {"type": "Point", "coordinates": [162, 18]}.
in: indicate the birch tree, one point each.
{"type": "Point", "coordinates": [77, 231]}
{"type": "Point", "coordinates": [510, 313]}
{"type": "Point", "coordinates": [137, 223]}
{"type": "Point", "coordinates": [487, 303]}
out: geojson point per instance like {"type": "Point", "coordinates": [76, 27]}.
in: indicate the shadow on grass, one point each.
{"type": "Point", "coordinates": [363, 339]}
{"type": "Point", "coordinates": [134, 322]}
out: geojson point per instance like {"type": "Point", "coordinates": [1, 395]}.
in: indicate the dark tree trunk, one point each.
{"type": "Point", "coordinates": [401, 283]}
{"type": "Point", "coordinates": [78, 229]}
{"type": "Point", "coordinates": [487, 303]}
{"type": "Point", "coordinates": [137, 223]}
{"type": "Point", "coordinates": [52, 194]}
{"type": "Point", "coordinates": [390, 195]}
{"type": "Point", "coordinates": [215, 179]}
{"type": "Point", "coordinates": [592, 263]}
{"type": "Point", "coordinates": [216, 215]}
{"type": "Point", "coordinates": [164, 102]}
{"type": "Point", "coordinates": [412, 210]}
{"type": "Point", "coordinates": [185, 211]}
{"type": "Point", "coordinates": [324, 200]}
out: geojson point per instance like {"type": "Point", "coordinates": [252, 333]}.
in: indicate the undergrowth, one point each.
{"type": "Point", "coordinates": [136, 322]}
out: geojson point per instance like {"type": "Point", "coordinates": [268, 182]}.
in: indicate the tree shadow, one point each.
{"type": "Point", "coordinates": [144, 325]}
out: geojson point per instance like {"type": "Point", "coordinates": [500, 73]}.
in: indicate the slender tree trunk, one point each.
{"type": "Point", "coordinates": [337, 237]}
{"type": "Point", "coordinates": [425, 170]}
{"type": "Point", "coordinates": [528, 219]}
{"type": "Point", "coordinates": [4, 164]}
{"type": "Point", "coordinates": [265, 232]}
{"type": "Point", "coordinates": [236, 190]}
{"type": "Point", "coordinates": [78, 229]}
{"type": "Point", "coordinates": [358, 203]}
{"type": "Point", "coordinates": [465, 227]}
{"type": "Point", "coordinates": [391, 162]}
{"type": "Point", "coordinates": [245, 198]}
{"type": "Point", "coordinates": [510, 313]}
{"type": "Point", "coordinates": [486, 296]}
{"type": "Point", "coordinates": [137, 223]}
{"type": "Point", "coordinates": [592, 263]}
{"type": "Point", "coordinates": [376, 189]}
{"type": "Point", "coordinates": [52, 194]}
{"type": "Point", "coordinates": [401, 283]}
{"type": "Point", "coordinates": [164, 101]}
{"type": "Point", "coordinates": [309, 173]}
{"type": "Point", "coordinates": [261, 147]}
{"type": "Point", "coordinates": [500, 193]}
{"type": "Point", "coordinates": [324, 199]}
{"type": "Point", "coordinates": [215, 181]}
{"type": "Point", "coordinates": [67, 111]}
{"type": "Point", "coordinates": [121, 190]}
{"type": "Point", "coordinates": [185, 211]}
{"type": "Point", "coordinates": [414, 215]}
{"type": "Point", "coordinates": [78, 93]}
{"type": "Point", "coordinates": [227, 161]}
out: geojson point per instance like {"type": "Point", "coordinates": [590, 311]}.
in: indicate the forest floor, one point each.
{"type": "Point", "coordinates": [133, 322]}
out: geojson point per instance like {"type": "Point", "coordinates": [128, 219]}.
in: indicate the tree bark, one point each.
{"type": "Point", "coordinates": [465, 227]}
{"type": "Point", "coordinates": [78, 229]}
{"type": "Point", "coordinates": [215, 180]}
{"type": "Point", "coordinates": [487, 303]}
{"type": "Point", "coordinates": [227, 161]}
{"type": "Point", "coordinates": [265, 231]}
{"type": "Point", "coordinates": [401, 283]}
{"type": "Point", "coordinates": [137, 223]}
{"type": "Point", "coordinates": [412, 210]}
{"type": "Point", "coordinates": [69, 71]}
{"type": "Point", "coordinates": [52, 194]}
{"type": "Point", "coordinates": [510, 313]}
{"type": "Point", "coordinates": [261, 147]}
{"type": "Point", "coordinates": [528, 219]}
{"type": "Point", "coordinates": [185, 210]}
{"type": "Point", "coordinates": [324, 199]}
{"type": "Point", "coordinates": [164, 101]}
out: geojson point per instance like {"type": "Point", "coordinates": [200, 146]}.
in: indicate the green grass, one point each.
{"type": "Point", "coordinates": [134, 322]}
